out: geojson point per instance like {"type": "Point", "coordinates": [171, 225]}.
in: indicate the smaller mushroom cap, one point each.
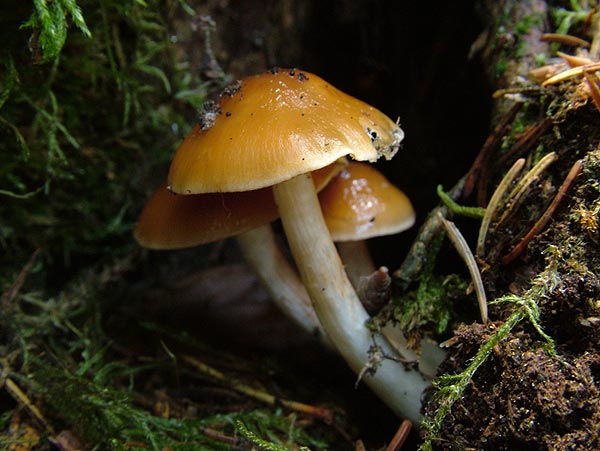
{"type": "Point", "coordinates": [176, 221]}
{"type": "Point", "coordinates": [360, 203]}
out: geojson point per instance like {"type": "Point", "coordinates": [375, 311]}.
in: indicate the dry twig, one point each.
{"type": "Point", "coordinates": [320, 412]}
{"type": "Point", "coordinates": [541, 223]}
{"type": "Point", "coordinates": [464, 251]}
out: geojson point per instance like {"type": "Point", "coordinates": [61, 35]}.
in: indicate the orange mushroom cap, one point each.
{"type": "Point", "coordinates": [273, 126]}
{"type": "Point", "coordinates": [360, 203]}
{"type": "Point", "coordinates": [173, 221]}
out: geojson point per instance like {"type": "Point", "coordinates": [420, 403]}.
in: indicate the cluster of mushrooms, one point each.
{"type": "Point", "coordinates": [275, 146]}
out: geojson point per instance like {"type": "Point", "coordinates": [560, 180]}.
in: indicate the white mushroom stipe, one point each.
{"type": "Point", "coordinates": [335, 301]}
{"type": "Point", "coordinates": [264, 256]}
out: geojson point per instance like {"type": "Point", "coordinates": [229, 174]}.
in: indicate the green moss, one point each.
{"type": "Point", "coordinates": [88, 114]}
{"type": "Point", "coordinates": [94, 98]}
{"type": "Point", "coordinates": [62, 358]}
{"type": "Point", "coordinates": [540, 59]}
{"type": "Point", "coordinates": [565, 19]}
{"type": "Point", "coordinates": [450, 387]}
{"type": "Point", "coordinates": [461, 210]}
{"type": "Point", "coordinates": [49, 24]}
{"type": "Point", "coordinates": [255, 433]}
{"type": "Point", "coordinates": [527, 23]}
{"type": "Point", "coordinates": [110, 419]}
{"type": "Point", "coordinates": [430, 306]}
{"type": "Point", "coordinates": [509, 37]}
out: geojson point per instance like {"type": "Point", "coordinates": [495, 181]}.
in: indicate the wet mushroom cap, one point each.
{"type": "Point", "coordinates": [360, 203]}
{"type": "Point", "coordinates": [174, 221]}
{"type": "Point", "coordinates": [273, 126]}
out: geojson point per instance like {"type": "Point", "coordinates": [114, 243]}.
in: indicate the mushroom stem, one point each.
{"type": "Point", "coordinates": [279, 278]}
{"type": "Point", "coordinates": [335, 301]}
{"type": "Point", "coordinates": [357, 260]}
{"type": "Point", "coordinates": [358, 263]}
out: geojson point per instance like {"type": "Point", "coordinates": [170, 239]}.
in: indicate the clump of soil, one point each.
{"type": "Point", "coordinates": [536, 391]}
{"type": "Point", "coordinates": [522, 398]}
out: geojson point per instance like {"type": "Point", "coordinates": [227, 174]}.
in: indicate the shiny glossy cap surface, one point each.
{"type": "Point", "coordinates": [270, 127]}
{"type": "Point", "coordinates": [176, 221]}
{"type": "Point", "coordinates": [360, 203]}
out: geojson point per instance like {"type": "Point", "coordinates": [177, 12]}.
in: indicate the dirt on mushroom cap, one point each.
{"type": "Point", "coordinates": [277, 125]}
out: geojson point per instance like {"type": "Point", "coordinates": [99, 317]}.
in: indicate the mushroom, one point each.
{"type": "Point", "coordinates": [171, 221]}
{"type": "Point", "coordinates": [273, 129]}
{"type": "Point", "coordinates": [358, 204]}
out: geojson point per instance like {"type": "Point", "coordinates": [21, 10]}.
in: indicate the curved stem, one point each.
{"type": "Point", "coordinates": [279, 278]}
{"type": "Point", "coordinates": [335, 301]}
